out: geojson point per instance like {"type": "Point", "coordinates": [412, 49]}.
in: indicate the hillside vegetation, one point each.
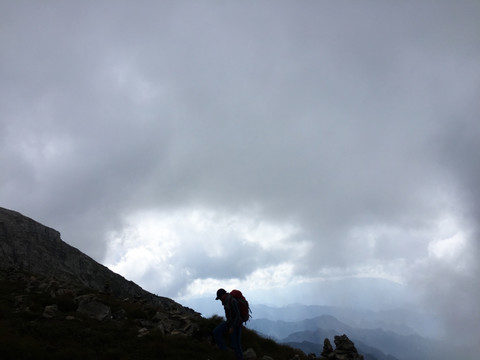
{"type": "Point", "coordinates": [37, 322]}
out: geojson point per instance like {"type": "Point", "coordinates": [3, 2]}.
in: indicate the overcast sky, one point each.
{"type": "Point", "coordinates": [193, 145]}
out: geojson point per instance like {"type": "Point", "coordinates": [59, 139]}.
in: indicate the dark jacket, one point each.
{"type": "Point", "coordinates": [232, 311]}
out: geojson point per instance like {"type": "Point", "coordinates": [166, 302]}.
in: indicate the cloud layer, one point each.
{"type": "Point", "coordinates": [189, 145]}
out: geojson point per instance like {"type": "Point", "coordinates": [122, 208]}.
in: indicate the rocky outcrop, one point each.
{"type": "Point", "coordinates": [90, 306]}
{"type": "Point", "coordinates": [250, 354]}
{"type": "Point", "coordinates": [344, 349]}
{"type": "Point", "coordinates": [58, 269]}
{"type": "Point", "coordinates": [29, 246]}
{"type": "Point", "coordinates": [55, 299]}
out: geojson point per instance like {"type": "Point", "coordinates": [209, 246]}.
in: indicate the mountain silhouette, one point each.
{"type": "Point", "coordinates": [29, 246]}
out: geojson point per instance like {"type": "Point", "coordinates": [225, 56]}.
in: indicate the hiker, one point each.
{"type": "Point", "coordinates": [233, 324]}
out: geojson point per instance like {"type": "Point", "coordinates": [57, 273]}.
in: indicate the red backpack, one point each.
{"type": "Point", "coordinates": [242, 304]}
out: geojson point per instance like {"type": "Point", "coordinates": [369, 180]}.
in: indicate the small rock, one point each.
{"type": "Point", "coordinates": [50, 311]}
{"type": "Point", "coordinates": [95, 309]}
{"type": "Point", "coordinates": [249, 354]}
{"type": "Point", "coordinates": [161, 328]}
{"type": "Point", "coordinates": [120, 315]}
{"type": "Point", "coordinates": [327, 348]}
{"type": "Point", "coordinates": [142, 332]}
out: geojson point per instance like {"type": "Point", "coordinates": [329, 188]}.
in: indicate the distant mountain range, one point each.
{"type": "Point", "coordinates": [369, 353]}
{"type": "Point", "coordinates": [400, 333]}
{"type": "Point", "coordinates": [378, 343]}
{"type": "Point", "coordinates": [401, 321]}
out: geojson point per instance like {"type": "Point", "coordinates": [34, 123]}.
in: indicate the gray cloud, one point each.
{"type": "Point", "coordinates": [354, 123]}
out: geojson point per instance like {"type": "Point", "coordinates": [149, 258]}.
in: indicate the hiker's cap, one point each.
{"type": "Point", "coordinates": [220, 293]}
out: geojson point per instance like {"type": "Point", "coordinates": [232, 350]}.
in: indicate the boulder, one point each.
{"type": "Point", "coordinates": [344, 349]}
{"type": "Point", "coordinates": [89, 306]}
{"type": "Point", "coordinates": [249, 354]}
{"type": "Point", "coordinates": [50, 311]}
{"type": "Point", "coordinates": [327, 348]}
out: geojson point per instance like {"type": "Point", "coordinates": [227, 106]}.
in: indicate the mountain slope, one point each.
{"type": "Point", "coordinates": [30, 246]}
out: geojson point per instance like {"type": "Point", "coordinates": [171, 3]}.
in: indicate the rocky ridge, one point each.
{"type": "Point", "coordinates": [29, 246]}
{"type": "Point", "coordinates": [58, 269]}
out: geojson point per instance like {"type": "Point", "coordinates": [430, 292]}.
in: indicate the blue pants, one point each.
{"type": "Point", "coordinates": [235, 337]}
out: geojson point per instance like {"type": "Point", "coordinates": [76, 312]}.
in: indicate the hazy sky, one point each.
{"type": "Point", "coordinates": [191, 145]}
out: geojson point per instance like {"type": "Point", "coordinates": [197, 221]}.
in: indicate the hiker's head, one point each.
{"type": "Point", "coordinates": [220, 293]}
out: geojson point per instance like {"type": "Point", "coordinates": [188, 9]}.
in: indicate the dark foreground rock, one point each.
{"type": "Point", "coordinates": [344, 349]}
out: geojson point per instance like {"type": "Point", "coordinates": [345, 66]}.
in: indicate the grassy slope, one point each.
{"type": "Point", "coordinates": [29, 335]}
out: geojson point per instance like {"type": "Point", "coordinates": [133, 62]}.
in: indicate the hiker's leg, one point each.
{"type": "Point", "coordinates": [218, 335]}
{"type": "Point", "coordinates": [236, 339]}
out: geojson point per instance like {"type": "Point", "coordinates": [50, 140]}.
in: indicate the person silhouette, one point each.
{"type": "Point", "coordinates": [233, 324]}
